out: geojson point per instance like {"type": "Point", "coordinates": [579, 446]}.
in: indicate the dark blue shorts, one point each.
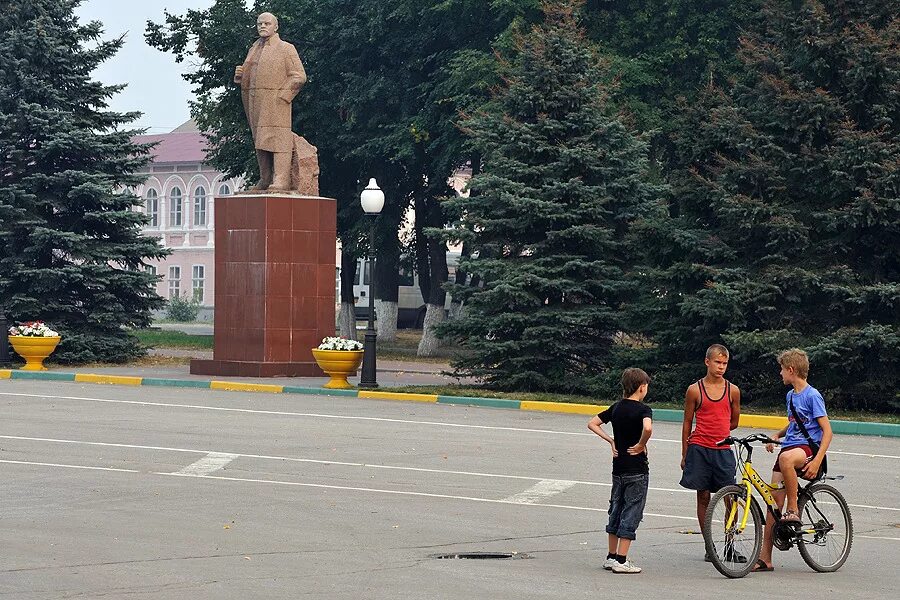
{"type": "Point", "coordinates": [708, 469]}
{"type": "Point", "coordinates": [626, 504]}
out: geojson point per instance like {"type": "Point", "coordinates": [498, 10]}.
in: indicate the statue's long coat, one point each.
{"type": "Point", "coordinates": [272, 76]}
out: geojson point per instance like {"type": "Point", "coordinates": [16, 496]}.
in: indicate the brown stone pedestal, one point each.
{"type": "Point", "coordinates": [275, 285]}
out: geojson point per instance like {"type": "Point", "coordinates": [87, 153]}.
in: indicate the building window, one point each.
{"type": "Point", "coordinates": [199, 206]}
{"type": "Point", "coordinates": [224, 190]}
{"type": "Point", "coordinates": [175, 207]}
{"type": "Point", "coordinates": [198, 280]}
{"type": "Point", "coordinates": [151, 207]}
{"type": "Point", "coordinates": [150, 269]}
{"type": "Point", "coordinates": [174, 282]}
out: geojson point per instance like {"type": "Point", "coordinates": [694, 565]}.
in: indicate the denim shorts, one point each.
{"type": "Point", "coordinates": [626, 504]}
{"type": "Point", "coordinates": [708, 469]}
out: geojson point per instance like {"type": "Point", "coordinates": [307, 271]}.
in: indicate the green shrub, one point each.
{"type": "Point", "coordinates": [182, 309]}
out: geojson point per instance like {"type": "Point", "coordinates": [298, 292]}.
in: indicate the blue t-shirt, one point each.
{"type": "Point", "coordinates": [810, 406]}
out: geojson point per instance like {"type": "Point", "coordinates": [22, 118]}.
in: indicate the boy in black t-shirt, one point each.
{"type": "Point", "coordinates": [632, 423]}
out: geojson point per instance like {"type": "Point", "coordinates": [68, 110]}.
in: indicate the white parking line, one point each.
{"type": "Point", "coordinates": [210, 463]}
{"type": "Point", "coordinates": [61, 466]}
{"type": "Point", "coordinates": [542, 489]}
{"type": "Point", "coordinates": [372, 490]}
{"type": "Point", "coordinates": [442, 424]}
{"type": "Point", "coordinates": [555, 482]}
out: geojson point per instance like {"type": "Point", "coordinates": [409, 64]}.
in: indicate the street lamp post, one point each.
{"type": "Point", "coordinates": [372, 200]}
{"type": "Point", "coordinates": [4, 345]}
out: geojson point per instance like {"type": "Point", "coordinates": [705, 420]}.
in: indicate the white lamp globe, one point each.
{"type": "Point", "coordinates": [372, 198]}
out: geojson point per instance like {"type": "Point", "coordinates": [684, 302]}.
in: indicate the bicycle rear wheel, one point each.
{"type": "Point", "coordinates": [826, 528]}
{"type": "Point", "coordinates": [733, 549]}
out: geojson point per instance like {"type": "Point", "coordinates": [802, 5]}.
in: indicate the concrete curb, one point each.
{"type": "Point", "coordinates": [659, 414]}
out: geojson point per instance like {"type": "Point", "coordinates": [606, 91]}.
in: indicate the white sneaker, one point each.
{"type": "Point", "coordinates": [610, 563]}
{"type": "Point", "coordinates": [626, 567]}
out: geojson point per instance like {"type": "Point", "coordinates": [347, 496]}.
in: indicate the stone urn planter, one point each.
{"type": "Point", "coordinates": [338, 364]}
{"type": "Point", "coordinates": [34, 350]}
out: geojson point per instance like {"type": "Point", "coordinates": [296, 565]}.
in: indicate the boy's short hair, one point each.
{"type": "Point", "coordinates": [796, 359]}
{"type": "Point", "coordinates": [632, 379]}
{"type": "Point", "coordinates": [716, 350]}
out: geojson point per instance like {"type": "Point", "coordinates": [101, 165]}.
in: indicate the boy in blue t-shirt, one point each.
{"type": "Point", "coordinates": [796, 458]}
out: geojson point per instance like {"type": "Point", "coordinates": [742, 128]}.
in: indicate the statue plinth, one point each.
{"type": "Point", "coordinates": [275, 284]}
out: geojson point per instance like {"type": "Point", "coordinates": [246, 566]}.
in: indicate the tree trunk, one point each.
{"type": "Point", "coordinates": [430, 342]}
{"type": "Point", "coordinates": [346, 315]}
{"type": "Point", "coordinates": [347, 321]}
{"type": "Point", "coordinates": [387, 320]}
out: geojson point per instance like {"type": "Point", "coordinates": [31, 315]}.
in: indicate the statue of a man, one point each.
{"type": "Point", "coordinates": [270, 78]}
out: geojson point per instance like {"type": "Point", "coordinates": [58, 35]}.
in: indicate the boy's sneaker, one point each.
{"type": "Point", "coordinates": [626, 567]}
{"type": "Point", "coordinates": [609, 563]}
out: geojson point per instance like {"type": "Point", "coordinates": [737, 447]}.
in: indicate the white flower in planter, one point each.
{"type": "Point", "coordinates": [340, 343]}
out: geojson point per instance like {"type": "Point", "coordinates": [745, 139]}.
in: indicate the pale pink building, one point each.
{"type": "Point", "coordinates": [179, 197]}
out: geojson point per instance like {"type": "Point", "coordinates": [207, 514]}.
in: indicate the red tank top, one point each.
{"type": "Point", "coordinates": [713, 419]}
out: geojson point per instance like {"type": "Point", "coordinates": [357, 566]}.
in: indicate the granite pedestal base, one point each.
{"type": "Point", "coordinates": [274, 285]}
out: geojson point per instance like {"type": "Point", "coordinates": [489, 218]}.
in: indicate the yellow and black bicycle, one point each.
{"type": "Point", "coordinates": [734, 524]}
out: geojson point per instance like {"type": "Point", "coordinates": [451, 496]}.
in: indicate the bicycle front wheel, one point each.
{"type": "Point", "coordinates": [826, 528]}
{"type": "Point", "coordinates": [732, 546]}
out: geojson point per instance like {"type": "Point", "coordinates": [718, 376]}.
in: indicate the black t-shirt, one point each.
{"type": "Point", "coordinates": [627, 418]}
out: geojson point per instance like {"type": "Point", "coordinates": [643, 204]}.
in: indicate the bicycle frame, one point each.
{"type": "Point", "coordinates": [750, 479]}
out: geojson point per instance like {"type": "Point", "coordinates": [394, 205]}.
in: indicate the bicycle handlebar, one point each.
{"type": "Point", "coordinates": [745, 441]}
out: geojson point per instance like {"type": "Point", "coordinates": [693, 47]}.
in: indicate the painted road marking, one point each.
{"type": "Point", "coordinates": [562, 482]}
{"type": "Point", "coordinates": [542, 489]}
{"type": "Point", "coordinates": [442, 424]}
{"type": "Point", "coordinates": [62, 466]}
{"type": "Point", "coordinates": [210, 463]}
{"type": "Point", "coordinates": [372, 490]}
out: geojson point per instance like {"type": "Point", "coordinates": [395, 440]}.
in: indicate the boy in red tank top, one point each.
{"type": "Point", "coordinates": [715, 404]}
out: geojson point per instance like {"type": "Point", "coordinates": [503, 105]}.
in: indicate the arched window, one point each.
{"type": "Point", "coordinates": [151, 207]}
{"type": "Point", "coordinates": [199, 206]}
{"type": "Point", "coordinates": [175, 207]}
{"type": "Point", "coordinates": [224, 190]}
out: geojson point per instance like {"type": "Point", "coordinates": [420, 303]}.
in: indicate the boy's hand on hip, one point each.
{"type": "Point", "coordinates": [636, 449]}
{"type": "Point", "coordinates": [615, 452]}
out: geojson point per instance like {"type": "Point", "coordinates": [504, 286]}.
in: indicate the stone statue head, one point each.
{"type": "Point", "coordinates": [266, 25]}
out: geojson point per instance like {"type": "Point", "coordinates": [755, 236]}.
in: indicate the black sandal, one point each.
{"type": "Point", "coordinates": [761, 567]}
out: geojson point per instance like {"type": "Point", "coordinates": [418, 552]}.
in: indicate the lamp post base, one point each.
{"type": "Point", "coordinates": [367, 378]}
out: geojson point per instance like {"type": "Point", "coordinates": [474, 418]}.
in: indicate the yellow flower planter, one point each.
{"type": "Point", "coordinates": [338, 364]}
{"type": "Point", "coordinates": [34, 350]}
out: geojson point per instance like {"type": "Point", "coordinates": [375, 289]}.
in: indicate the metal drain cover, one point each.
{"type": "Point", "coordinates": [482, 555]}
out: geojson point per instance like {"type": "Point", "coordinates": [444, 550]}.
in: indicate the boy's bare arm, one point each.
{"type": "Point", "coordinates": [596, 425]}
{"type": "Point", "coordinates": [641, 446]}
{"type": "Point", "coordinates": [813, 466]}
{"type": "Point", "coordinates": [691, 396]}
{"type": "Point", "coordinates": [777, 436]}
{"type": "Point", "coordinates": [735, 406]}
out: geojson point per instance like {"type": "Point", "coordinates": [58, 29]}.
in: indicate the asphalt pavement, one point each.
{"type": "Point", "coordinates": [136, 492]}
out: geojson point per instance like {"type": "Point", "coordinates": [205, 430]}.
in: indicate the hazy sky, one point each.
{"type": "Point", "coordinates": [155, 86]}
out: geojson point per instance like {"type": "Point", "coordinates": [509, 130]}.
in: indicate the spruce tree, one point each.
{"type": "Point", "coordinates": [563, 178]}
{"type": "Point", "coordinates": [71, 250]}
{"type": "Point", "coordinates": [785, 221]}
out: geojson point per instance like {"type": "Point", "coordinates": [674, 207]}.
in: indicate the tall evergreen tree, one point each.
{"type": "Point", "coordinates": [787, 217]}
{"type": "Point", "coordinates": [71, 250]}
{"type": "Point", "coordinates": [563, 179]}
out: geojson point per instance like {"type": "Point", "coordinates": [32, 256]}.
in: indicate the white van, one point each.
{"type": "Point", "coordinates": [410, 306]}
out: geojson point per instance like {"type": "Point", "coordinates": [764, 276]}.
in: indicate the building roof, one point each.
{"type": "Point", "coordinates": [183, 145]}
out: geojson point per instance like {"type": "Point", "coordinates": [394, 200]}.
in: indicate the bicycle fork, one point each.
{"type": "Point", "coordinates": [732, 513]}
